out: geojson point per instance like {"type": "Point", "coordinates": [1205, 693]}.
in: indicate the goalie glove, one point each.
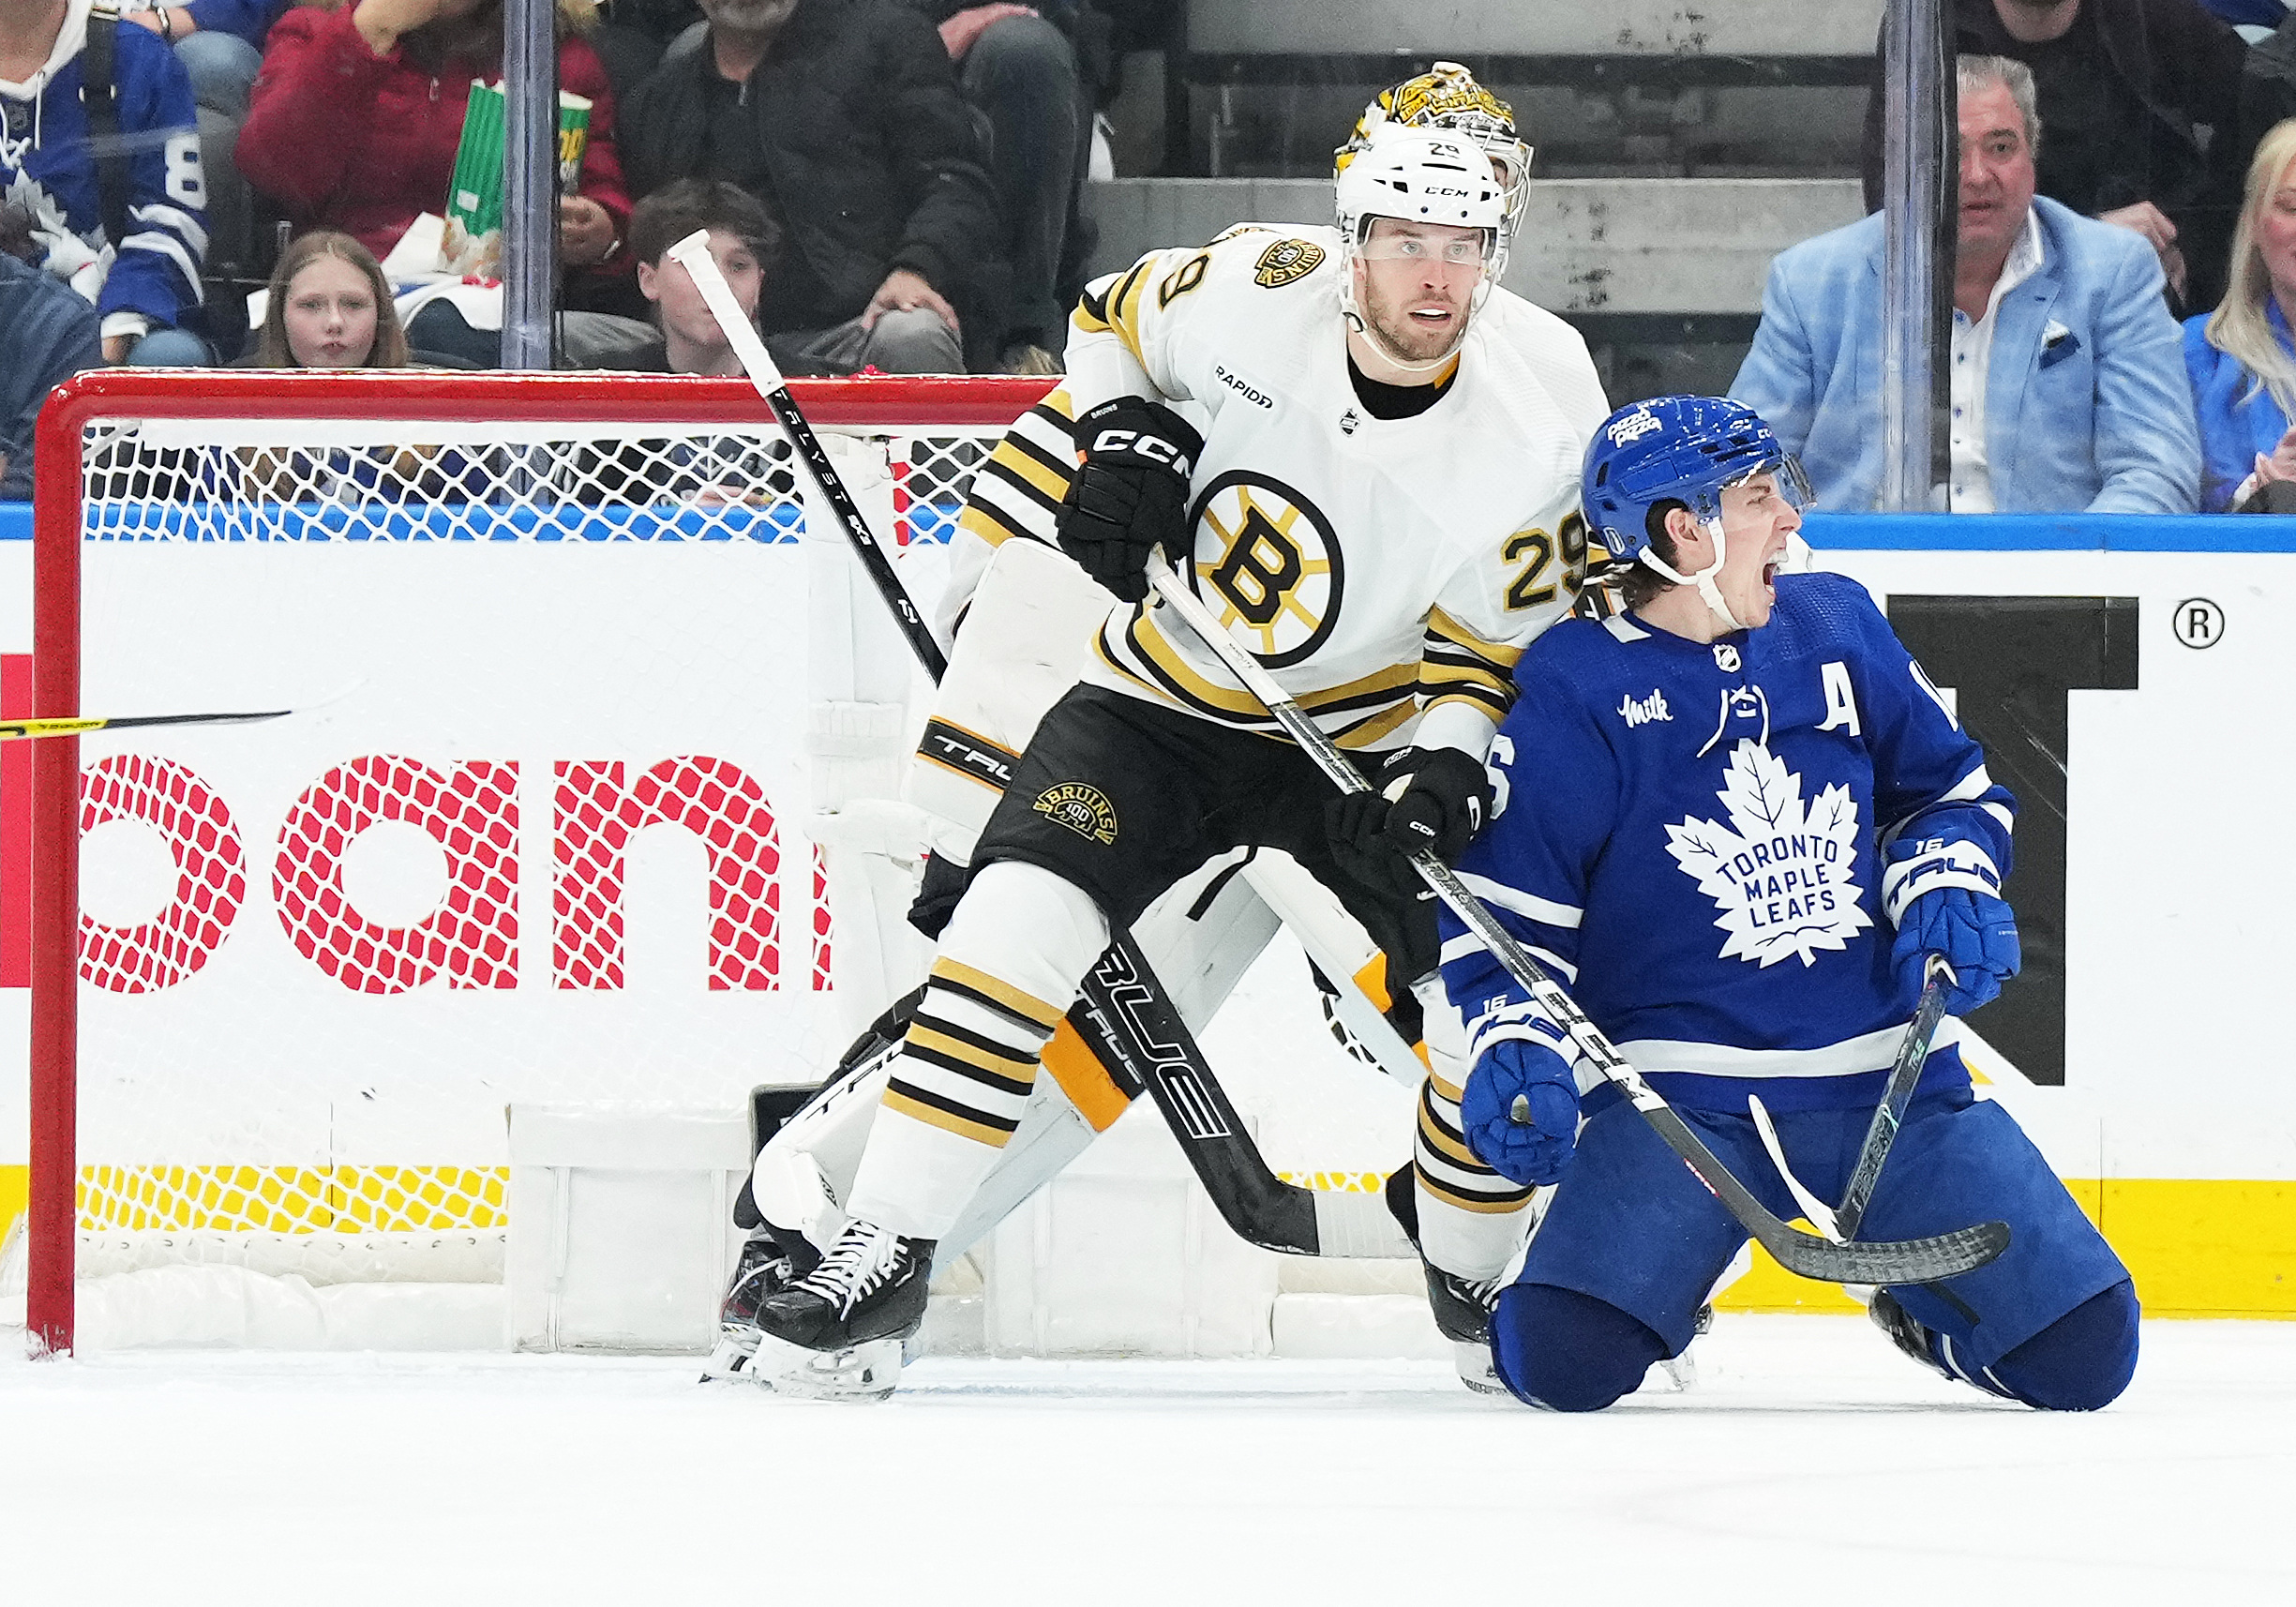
{"type": "Point", "coordinates": [1130, 497]}
{"type": "Point", "coordinates": [1421, 798]}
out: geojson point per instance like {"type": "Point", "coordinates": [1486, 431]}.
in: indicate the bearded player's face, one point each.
{"type": "Point", "coordinates": [1415, 284]}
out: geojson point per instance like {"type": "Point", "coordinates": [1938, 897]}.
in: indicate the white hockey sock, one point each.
{"type": "Point", "coordinates": [1472, 1220]}
{"type": "Point", "coordinates": [1009, 962]}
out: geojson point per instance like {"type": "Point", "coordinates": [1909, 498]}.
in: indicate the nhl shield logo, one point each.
{"type": "Point", "coordinates": [1080, 807]}
{"type": "Point", "coordinates": [1287, 261]}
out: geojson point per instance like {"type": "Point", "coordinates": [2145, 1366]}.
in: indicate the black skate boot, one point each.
{"type": "Point", "coordinates": [1462, 1306]}
{"type": "Point", "coordinates": [767, 1265]}
{"type": "Point", "coordinates": [838, 1331]}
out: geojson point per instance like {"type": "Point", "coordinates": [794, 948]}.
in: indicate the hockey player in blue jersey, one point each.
{"type": "Point", "coordinates": [1741, 820]}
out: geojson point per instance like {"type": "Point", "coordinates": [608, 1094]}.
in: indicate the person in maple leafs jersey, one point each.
{"type": "Point", "coordinates": [1742, 820]}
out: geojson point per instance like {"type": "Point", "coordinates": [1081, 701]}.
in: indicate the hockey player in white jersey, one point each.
{"type": "Point", "coordinates": [1741, 823]}
{"type": "Point", "coordinates": [1384, 491]}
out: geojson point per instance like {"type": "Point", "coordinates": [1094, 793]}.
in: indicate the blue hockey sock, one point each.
{"type": "Point", "coordinates": [1565, 1351]}
{"type": "Point", "coordinates": [2079, 1362]}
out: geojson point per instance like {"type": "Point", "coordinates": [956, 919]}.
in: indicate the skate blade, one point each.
{"type": "Point", "coordinates": [861, 1373]}
{"type": "Point", "coordinates": [730, 1360]}
{"type": "Point", "coordinates": [1676, 1375]}
{"type": "Point", "coordinates": [1475, 1370]}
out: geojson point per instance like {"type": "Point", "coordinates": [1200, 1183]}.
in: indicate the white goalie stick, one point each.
{"type": "Point", "coordinates": [1124, 1014]}
{"type": "Point", "coordinates": [1806, 1255]}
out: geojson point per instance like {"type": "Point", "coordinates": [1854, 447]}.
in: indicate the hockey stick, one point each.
{"type": "Point", "coordinates": [80, 726]}
{"type": "Point", "coordinates": [693, 254]}
{"type": "Point", "coordinates": [1913, 1055]}
{"type": "Point", "coordinates": [1124, 1013]}
{"type": "Point", "coordinates": [20, 730]}
{"type": "Point", "coordinates": [1807, 1256]}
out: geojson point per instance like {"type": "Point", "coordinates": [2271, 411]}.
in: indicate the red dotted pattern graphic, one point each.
{"type": "Point", "coordinates": [713, 798]}
{"type": "Point", "coordinates": [471, 811]}
{"type": "Point", "coordinates": [820, 924]}
{"type": "Point", "coordinates": [211, 873]}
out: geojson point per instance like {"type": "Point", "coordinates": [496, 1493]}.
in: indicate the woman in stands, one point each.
{"type": "Point", "coordinates": [358, 113]}
{"type": "Point", "coordinates": [329, 308]}
{"type": "Point", "coordinates": [2243, 357]}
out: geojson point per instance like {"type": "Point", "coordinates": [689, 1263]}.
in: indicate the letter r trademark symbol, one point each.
{"type": "Point", "coordinates": [2197, 622]}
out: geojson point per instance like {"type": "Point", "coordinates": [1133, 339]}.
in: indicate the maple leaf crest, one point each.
{"type": "Point", "coordinates": [1782, 874]}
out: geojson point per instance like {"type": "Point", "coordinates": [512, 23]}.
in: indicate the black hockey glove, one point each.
{"type": "Point", "coordinates": [1421, 798]}
{"type": "Point", "coordinates": [1131, 496]}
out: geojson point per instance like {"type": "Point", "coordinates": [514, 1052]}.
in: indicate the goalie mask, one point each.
{"type": "Point", "coordinates": [1446, 98]}
{"type": "Point", "coordinates": [1417, 175]}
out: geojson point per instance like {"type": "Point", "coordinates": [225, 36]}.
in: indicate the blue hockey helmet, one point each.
{"type": "Point", "coordinates": [1685, 449]}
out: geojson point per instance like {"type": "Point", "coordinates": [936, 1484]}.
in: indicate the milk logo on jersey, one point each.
{"type": "Point", "coordinates": [1080, 807]}
{"type": "Point", "coordinates": [1287, 261]}
{"type": "Point", "coordinates": [1781, 871]}
{"type": "Point", "coordinates": [1267, 558]}
{"type": "Point", "coordinates": [1642, 711]}
{"type": "Point", "coordinates": [1632, 428]}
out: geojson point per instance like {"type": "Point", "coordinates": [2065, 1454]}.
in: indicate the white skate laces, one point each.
{"type": "Point", "coordinates": [863, 1259]}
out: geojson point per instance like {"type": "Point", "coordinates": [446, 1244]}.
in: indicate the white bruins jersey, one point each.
{"type": "Point", "coordinates": [1376, 567]}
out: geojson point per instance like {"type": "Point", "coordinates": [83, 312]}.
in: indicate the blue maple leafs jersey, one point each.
{"type": "Point", "coordinates": [1710, 845]}
{"type": "Point", "coordinates": [47, 166]}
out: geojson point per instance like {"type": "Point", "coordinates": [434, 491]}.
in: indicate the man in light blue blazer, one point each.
{"type": "Point", "coordinates": [2068, 380]}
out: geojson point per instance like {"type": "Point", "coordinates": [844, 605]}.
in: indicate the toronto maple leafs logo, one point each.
{"type": "Point", "coordinates": [1781, 872]}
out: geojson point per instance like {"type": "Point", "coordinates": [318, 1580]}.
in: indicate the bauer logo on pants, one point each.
{"type": "Point", "coordinates": [1080, 807]}
{"type": "Point", "coordinates": [1266, 559]}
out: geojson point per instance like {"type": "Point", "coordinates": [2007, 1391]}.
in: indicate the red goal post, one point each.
{"type": "Point", "coordinates": [589, 592]}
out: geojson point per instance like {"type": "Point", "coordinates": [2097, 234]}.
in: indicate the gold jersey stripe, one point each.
{"type": "Point", "coordinates": [897, 1098]}
{"type": "Point", "coordinates": [1015, 466]}
{"type": "Point", "coordinates": [1445, 1146]}
{"type": "Point", "coordinates": [1479, 1203]}
{"type": "Point", "coordinates": [1006, 1064]}
{"type": "Point", "coordinates": [1442, 627]}
{"type": "Point", "coordinates": [997, 991]}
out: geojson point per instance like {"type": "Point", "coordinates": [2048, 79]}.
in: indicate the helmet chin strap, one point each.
{"type": "Point", "coordinates": [1703, 579]}
{"type": "Point", "coordinates": [1379, 343]}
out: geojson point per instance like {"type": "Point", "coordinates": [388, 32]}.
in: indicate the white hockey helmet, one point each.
{"type": "Point", "coordinates": [1447, 96]}
{"type": "Point", "coordinates": [1418, 175]}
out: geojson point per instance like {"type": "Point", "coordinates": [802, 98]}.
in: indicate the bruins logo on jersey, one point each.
{"type": "Point", "coordinates": [1080, 807]}
{"type": "Point", "coordinates": [1287, 261]}
{"type": "Point", "coordinates": [1272, 563]}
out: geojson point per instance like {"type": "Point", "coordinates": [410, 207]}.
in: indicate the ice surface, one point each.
{"type": "Point", "coordinates": [1811, 1464]}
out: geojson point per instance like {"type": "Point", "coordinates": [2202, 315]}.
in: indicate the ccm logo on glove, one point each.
{"type": "Point", "coordinates": [1142, 446]}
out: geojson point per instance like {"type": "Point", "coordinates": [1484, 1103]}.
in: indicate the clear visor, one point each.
{"type": "Point", "coordinates": [1453, 251]}
{"type": "Point", "coordinates": [1786, 471]}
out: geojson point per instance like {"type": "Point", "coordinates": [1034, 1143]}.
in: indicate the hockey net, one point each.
{"type": "Point", "coordinates": [287, 977]}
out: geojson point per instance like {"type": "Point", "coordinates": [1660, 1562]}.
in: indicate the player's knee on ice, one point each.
{"type": "Point", "coordinates": [2079, 1362]}
{"type": "Point", "coordinates": [1568, 1352]}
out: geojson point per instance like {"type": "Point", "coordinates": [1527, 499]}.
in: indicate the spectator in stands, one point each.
{"type": "Point", "coordinates": [221, 43]}
{"type": "Point", "coordinates": [2152, 118]}
{"type": "Point", "coordinates": [2066, 389]}
{"type": "Point", "coordinates": [632, 34]}
{"type": "Point", "coordinates": [2241, 357]}
{"type": "Point", "coordinates": [47, 335]}
{"type": "Point", "coordinates": [1017, 64]}
{"type": "Point", "coordinates": [745, 244]}
{"type": "Point", "coordinates": [149, 295]}
{"type": "Point", "coordinates": [357, 116]}
{"type": "Point", "coordinates": [329, 308]}
{"type": "Point", "coordinates": [845, 121]}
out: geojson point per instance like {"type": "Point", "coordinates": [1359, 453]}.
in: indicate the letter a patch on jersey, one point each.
{"type": "Point", "coordinates": [1781, 872]}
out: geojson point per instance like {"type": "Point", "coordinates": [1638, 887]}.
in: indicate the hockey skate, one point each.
{"type": "Point", "coordinates": [1462, 1306]}
{"type": "Point", "coordinates": [765, 1269]}
{"type": "Point", "coordinates": [836, 1333]}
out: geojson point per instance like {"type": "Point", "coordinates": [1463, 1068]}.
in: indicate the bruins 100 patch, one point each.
{"type": "Point", "coordinates": [1287, 261]}
{"type": "Point", "coordinates": [1080, 807]}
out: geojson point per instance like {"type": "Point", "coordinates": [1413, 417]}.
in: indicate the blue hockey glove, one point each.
{"type": "Point", "coordinates": [1516, 1079]}
{"type": "Point", "coordinates": [1130, 496]}
{"type": "Point", "coordinates": [1975, 932]}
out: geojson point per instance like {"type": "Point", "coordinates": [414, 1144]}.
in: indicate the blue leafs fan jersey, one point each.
{"type": "Point", "coordinates": [1710, 845]}
{"type": "Point", "coordinates": [47, 166]}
